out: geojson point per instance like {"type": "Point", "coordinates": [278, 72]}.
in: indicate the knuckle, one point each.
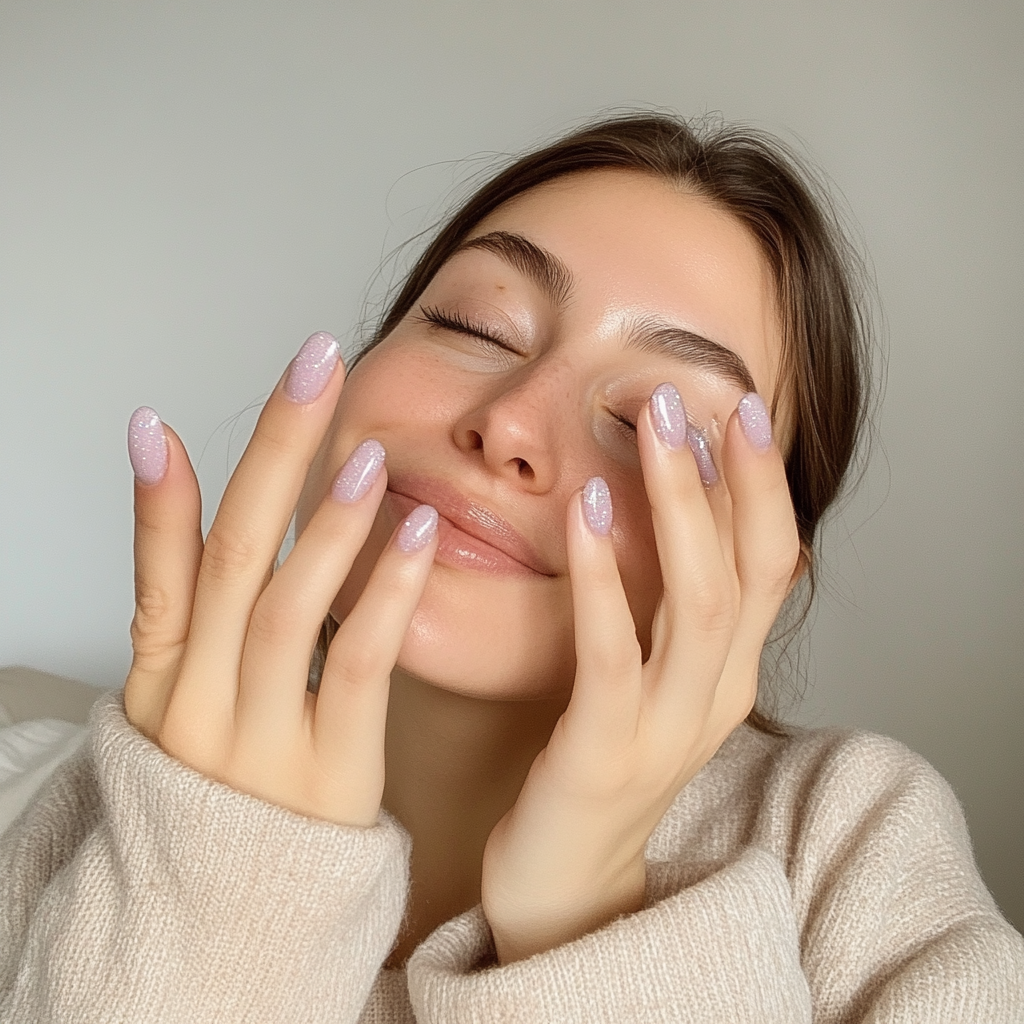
{"type": "Point", "coordinates": [617, 663]}
{"type": "Point", "coordinates": [227, 556]}
{"type": "Point", "coordinates": [711, 608]}
{"type": "Point", "coordinates": [154, 606]}
{"type": "Point", "coordinates": [355, 666]}
{"type": "Point", "coordinates": [272, 625]}
{"type": "Point", "coordinates": [778, 566]}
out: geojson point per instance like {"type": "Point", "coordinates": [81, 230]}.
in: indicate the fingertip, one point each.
{"type": "Point", "coordinates": [755, 421]}
{"type": "Point", "coordinates": [147, 446]}
{"type": "Point", "coordinates": [418, 529]}
{"type": "Point", "coordinates": [596, 502]}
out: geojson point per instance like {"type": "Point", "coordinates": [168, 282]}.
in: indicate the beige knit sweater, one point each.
{"type": "Point", "coordinates": [827, 877]}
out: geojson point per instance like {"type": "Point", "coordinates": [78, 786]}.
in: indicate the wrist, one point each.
{"type": "Point", "coordinates": [588, 912]}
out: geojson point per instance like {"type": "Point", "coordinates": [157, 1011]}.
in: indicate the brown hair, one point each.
{"type": "Point", "coordinates": [825, 331]}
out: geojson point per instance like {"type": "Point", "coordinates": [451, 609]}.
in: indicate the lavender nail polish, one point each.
{"type": "Point", "coordinates": [312, 368]}
{"type": "Point", "coordinates": [668, 416]}
{"type": "Point", "coordinates": [147, 446]}
{"type": "Point", "coordinates": [418, 529]}
{"type": "Point", "coordinates": [702, 456]}
{"type": "Point", "coordinates": [360, 470]}
{"type": "Point", "coordinates": [755, 421]}
{"type": "Point", "coordinates": [597, 506]}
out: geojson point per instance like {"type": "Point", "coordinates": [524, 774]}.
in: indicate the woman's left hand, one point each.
{"type": "Point", "coordinates": [569, 856]}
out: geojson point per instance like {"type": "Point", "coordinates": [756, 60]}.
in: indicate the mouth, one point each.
{"type": "Point", "coordinates": [470, 535]}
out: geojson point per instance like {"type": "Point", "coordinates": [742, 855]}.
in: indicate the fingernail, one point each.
{"type": "Point", "coordinates": [669, 416]}
{"type": "Point", "coordinates": [755, 421]}
{"type": "Point", "coordinates": [312, 368]}
{"type": "Point", "coordinates": [359, 472]}
{"type": "Point", "coordinates": [418, 529]}
{"type": "Point", "coordinates": [147, 446]}
{"type": "Point", "coordinates": [597, 505]}
{"type": "Point", "coordinates": [702, 456]}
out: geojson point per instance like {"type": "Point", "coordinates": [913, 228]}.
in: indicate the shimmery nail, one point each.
{"type": "Point", "coordinates": [669, 416]}
{"type": "Point", "coordinates": [311, 368]}
{"type": "Point", "coordinates": [702, 456]}
{"type": "Point", "coordinates": [147, 446]}
{"type": "Point", "coordinates": [359, 472]}
{"type": "Point", "coordinates": [418, 529]}
{"type": "Point", "coordinates": [755, 421]}
{"type": "Point", "coordinates": [597, 505]}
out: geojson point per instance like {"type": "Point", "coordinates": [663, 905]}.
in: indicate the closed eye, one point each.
{"type": "Point", "coordinates": [458, 323]}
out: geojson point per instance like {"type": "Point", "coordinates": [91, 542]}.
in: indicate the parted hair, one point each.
{"type": "Point", "coordinates": [819, 291]}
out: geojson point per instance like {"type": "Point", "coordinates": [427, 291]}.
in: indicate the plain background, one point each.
{"type": "Point", "coordinates": [188, 189]}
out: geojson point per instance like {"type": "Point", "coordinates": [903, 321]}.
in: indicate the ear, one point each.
{"type": "Point", "coordinates": [802, 567]}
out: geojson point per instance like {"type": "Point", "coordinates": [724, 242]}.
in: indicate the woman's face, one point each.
{"type": "Point", "coordinates": [515, 377]}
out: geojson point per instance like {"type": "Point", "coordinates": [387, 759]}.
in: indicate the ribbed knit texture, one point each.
{"type": "Point", "coordinates": [826, 878]}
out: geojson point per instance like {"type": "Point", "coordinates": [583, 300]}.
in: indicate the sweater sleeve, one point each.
{"type": "Point", "coordinates": [723, 949]}
{"type": "Point", "coordinates": [855, 899]}
{"type": "Point", "coordinates": [137, 889]}
{"type": "Point", "coordinates": [897, 925]}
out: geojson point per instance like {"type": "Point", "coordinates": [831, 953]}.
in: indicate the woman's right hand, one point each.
{"type": "Point", "coordinates": [222, 643]}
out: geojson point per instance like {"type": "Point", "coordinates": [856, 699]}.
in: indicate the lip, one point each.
{"type": "Point", "coordinates": [470, 535]}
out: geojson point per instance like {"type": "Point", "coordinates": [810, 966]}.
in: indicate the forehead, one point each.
{"type": "Point", "coordinates": [638, 246]}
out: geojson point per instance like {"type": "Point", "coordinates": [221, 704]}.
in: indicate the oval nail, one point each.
{"type": "Point", "coordinates": [668, 416]}
{"type": "Point", "coordinates": [147, 446]}
{"type": "Point", "coordinates": [701, 449]}
{"type": "Point", "coordinates": [418, 529]}
{"type": "Point", "coordinates": [311, 368]}
{"type": "Point", "coordinates": [755, 421]}
{"type": "Point", "coordinates": [597, 506]}
{"type": "Point", "coordinates": [361, 468]}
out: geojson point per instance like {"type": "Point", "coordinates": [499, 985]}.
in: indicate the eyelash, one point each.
{"type": "Point", "coordinates": [458, 323]}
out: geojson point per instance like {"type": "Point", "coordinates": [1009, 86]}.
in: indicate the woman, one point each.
{"type": "Point", "coordinates": [545, 525]}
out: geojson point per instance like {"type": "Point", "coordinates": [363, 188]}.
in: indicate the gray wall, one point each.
{"type": "Point", "coordinates": [189, 189]}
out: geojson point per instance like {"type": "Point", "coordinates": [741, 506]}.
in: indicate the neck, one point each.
{"type": "Point", "coordinates": [454, 765]}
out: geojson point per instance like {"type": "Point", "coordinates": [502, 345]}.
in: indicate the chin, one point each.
{"type": "Point", "coordinates": [511, 647]}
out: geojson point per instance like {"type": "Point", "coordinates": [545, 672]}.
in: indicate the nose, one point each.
{"type": "Point", "coordinates": [517, 428]}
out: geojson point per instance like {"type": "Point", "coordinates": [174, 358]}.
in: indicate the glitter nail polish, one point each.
{"type": "Point", "coordinates": [359, 472]}
{"type": "Point", "coordinates": [668, 416]}
{"type": "Point", "coordinates": [597, 506]}
{"type": "Point", "coordinates": [418, 529]}
{"type": "Point", "coordinates": [311, 369]}
{"type": "Point", "coordinates": [701, 449]}
{"type": "Point", "coordinates": [147, 446]}
{"type": "Point", "coordinates": [755, 421]}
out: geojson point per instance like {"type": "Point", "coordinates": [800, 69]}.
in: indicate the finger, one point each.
{"type": "Point", "coordinates": [351, 704]}
{"type": "Point", "coordinates": [251, 523]}
{"type": "Point", "coordinates": [288, 615]}
{"type": "Point", "coordinates": [766, 539]}
{"type": "Point", "coordinates": [168, 546]}
{"type": "Point", "coordinates": [694, 621]}
{"type": "Point", "coordinates": [606, 692]}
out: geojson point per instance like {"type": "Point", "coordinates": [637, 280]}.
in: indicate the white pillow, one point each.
{"type": "Point", "coordinates": [29, 752]}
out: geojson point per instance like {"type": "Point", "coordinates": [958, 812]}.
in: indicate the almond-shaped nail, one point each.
{"type": "Point", "coordinates": [702, 456]}
{"type": "Point", "coordinates": [311, 369]}
{"type": "Point", "coordinates": [418, 529]}
{"type": "Point", "coordinates": [597, 506]}
{"type": "Point", "coordinates": [668, 416]}
{"type": "Point", "coordinates": [147, 446]}
{"type": "Point", "coordinates": [755, 421]}
{"type": "Point", "coordinates": [360, 470]}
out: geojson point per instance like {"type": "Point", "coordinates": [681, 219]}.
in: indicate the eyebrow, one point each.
{"type": "Point", "coordinates": [646, 334]}
{"type": "Point", "coordinates": [546, 270]}
{"type": "Point", "coordinates": [660, 338]}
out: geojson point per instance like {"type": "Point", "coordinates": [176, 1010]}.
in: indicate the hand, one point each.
{"type": "Point", "coordinates": [569, 855]}
{"type": "Point", "coordinates": [222, 643]}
